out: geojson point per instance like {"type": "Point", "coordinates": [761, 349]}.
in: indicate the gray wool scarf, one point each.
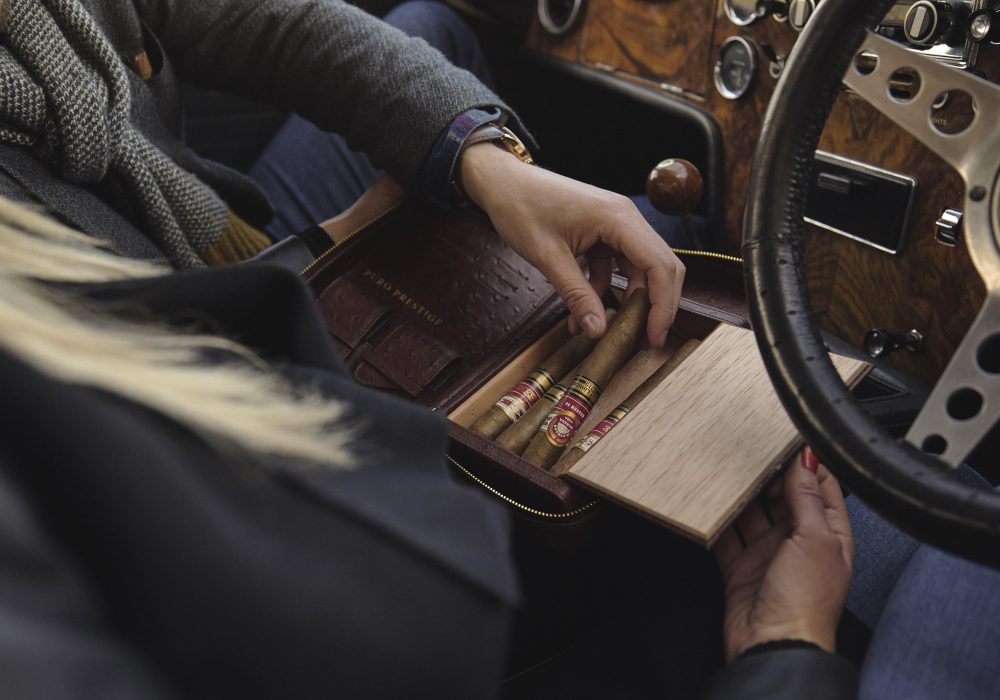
{"type": "Point", "coordinates": [64, 93]}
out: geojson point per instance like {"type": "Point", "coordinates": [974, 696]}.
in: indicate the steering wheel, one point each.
{"type": "Point", "coordinates": [911, 482]}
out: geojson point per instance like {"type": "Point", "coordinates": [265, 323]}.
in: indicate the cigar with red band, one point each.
{"type": "Point", "coordinates": [516, 401]}
{"type": "Point", "coordinates": [618, 343]}
{"type": "Point", "coordinates": [517, 436]}
{"type": "Point", "coordinates": [578, 450]}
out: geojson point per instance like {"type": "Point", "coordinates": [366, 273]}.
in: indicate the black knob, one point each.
{"type": "Point", "coordinates": [879, 342]}
{"type": "Point", "coordinates": [984, 26]}
{"type": "Point", "coordinates": [929, 22]}
{"type": "Point", "coordinates": [799, 12]}
{"type": "Point", "coordinates": [778, 8]}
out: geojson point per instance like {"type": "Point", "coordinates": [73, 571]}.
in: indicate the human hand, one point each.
{"type": "Point", "coordinates": [549, 220]}
{"type": "Point", "coordinates": [791, 578]}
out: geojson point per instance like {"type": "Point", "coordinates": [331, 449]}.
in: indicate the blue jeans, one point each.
{"type": "Point", "coordinates": [935, 617]}
{"type": "Point", "coordinates": [310, 175]}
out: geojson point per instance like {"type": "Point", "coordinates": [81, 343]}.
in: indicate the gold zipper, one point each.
{"type": "Point", "coordinates": [709, 254]}
{"type": "Point", "coordinates": [520, 506]}
{"type": "Point", "coordinates": [336, 246]}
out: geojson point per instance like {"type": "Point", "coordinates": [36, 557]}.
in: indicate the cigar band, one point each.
{"type": "Point", "coordinates": [555, 393]}
{"type": "Point", "coordinates": [523, 395]}
{"type": "Point", "coordinates": [602, 428]}
{"type": "Point", "coordinates": [567, 417]}
{"type": "Point", "coordinates": [586, 389]}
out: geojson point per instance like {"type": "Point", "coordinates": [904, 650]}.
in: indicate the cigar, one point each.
{"type": "Point", "coordinates": [517, 436]}
{"type": "Point", "coordinates": [611, 352]}
{"type": "Point", "coordinates": [516, 402]}
{"type": "Point", "coordinates": [572, 456]}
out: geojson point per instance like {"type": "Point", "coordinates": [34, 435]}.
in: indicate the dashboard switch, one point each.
{"type": "Point", "coordinates": [880, 343]}
{"type": "Point", "coordinates": [775, 8]}
{"type": "Point", "coordinates": [799, 12]}
{"type": "Point", "coordinates": [984, 26]}
{"type": "Point", "coordinates": [948, 227]}
{"type": "Point", "coordinates": [927, 23]}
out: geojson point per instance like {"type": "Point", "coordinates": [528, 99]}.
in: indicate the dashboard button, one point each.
{"type": "Point", "coordinates": [927, 22]}
{"type": "Point", "coordinates": [799, 12]}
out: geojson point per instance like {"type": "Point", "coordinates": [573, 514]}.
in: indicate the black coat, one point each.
{"type": "Point", "coordinates": [135, 562]}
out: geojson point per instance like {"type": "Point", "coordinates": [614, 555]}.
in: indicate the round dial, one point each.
{"type": "Point", "coordinates": [735, 67]}
{"type": "Point", "coordinates": [558, 16]}
{"type": "Point", "coordinates": [741, 12]}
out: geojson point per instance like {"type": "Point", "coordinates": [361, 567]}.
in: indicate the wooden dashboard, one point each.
{"type": "Point", "coordinates": [670, 47]}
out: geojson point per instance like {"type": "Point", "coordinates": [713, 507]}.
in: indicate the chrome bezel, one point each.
{"type": "Point", "coordinates": [734, 18]}
{"type": "Point", "coordinates": [717, 73]}
{"type": "Point", "coordinates": [867, 169]}
{"type": "Point", "coordinates": [550, 26]}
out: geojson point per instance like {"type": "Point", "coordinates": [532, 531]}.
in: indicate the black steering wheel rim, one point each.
{"type": "Point", "coordinates": [910, 488]}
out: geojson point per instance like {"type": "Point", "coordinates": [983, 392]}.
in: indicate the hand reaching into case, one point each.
{"type": "Point", "coordinates": [550, 220]}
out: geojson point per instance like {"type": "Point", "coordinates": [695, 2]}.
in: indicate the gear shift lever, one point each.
{"type": "Point", "coordinates": [675, 187]}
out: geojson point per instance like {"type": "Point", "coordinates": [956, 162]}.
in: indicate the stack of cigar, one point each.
{"type": "Point", "coordinates": [539, 417]}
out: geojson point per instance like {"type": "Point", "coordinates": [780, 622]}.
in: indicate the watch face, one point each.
{"type": "Point", "coordinates": [741, 12]}
{"type": "Point", "coordinates": [735, 67]}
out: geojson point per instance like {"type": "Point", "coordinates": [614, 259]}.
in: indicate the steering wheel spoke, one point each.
{"type": "Point", "coordinates": [912, 89]}
{"type": "Point", "coordinates": [965, 403]}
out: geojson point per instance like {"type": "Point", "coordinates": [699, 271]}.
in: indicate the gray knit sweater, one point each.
{"type": "Point", "coordinates": [390, 95]}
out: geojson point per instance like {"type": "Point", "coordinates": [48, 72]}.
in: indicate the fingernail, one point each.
{"type": "Point", "coordinates": [591, 325]}
{"type": "Point", "coordinates": [663, 339]}
{"type": "Point", "coordinates": [809, 460]}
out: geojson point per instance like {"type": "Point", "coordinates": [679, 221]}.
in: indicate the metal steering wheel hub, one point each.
{"type": "Point", "coordinates": [913, 482]}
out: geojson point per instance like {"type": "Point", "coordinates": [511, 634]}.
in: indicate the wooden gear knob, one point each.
{"type": "Point", "coordinates": [674, 186]}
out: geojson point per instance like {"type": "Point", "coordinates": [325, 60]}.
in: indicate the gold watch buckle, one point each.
{"type": "Point", "coordinates": [512, 143]}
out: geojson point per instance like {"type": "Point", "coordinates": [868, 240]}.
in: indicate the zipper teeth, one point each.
{"type": "Point", "coordinates": [336, 246]}
{"type": "Point", "coordinates": [520, 506]}
{"type": "Point", "coordinates": [708, 254]}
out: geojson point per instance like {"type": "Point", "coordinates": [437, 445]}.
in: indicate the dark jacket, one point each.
{"type": "Point", "coordinates": [390, 95]}
{"type": "Point", "coordinates": [135, 562]}
{"type": "Point", "coordinates": [786, 674]}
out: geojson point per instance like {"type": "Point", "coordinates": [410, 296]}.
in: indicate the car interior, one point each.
{"type": "Point", "coordinates": [611, 87]}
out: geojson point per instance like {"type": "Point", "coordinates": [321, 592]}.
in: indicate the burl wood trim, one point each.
{"type": "Point", "coordinates": [663, 42]}
{"type": "Point", "coordinates": [853, 287]}
{"type": "Point", "coordinates": [565, 46]}
{"type": "Point", "coordinates": [928, 286]}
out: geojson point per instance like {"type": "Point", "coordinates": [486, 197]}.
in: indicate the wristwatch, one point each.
{"type": "Point", "coordinates": [499, 135]}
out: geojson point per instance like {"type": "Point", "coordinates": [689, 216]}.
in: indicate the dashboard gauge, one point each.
{"type": "Point", "coordinates": [741, 12]}
{"type": "Point", "coordinates": [735, 67]}
{"type": "Point", "coordinates": [558, 16]}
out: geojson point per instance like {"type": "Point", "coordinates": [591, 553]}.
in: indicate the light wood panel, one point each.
{"type": "Point", "coordinates": [703, 442]}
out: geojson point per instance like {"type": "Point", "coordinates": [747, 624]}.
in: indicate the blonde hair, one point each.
{"type": "Point", "coordinates": [240, 403]}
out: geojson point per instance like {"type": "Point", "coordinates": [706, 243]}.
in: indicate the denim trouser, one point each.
{"type": "Point", "coordinates": [310, 175]}
{"type": "Point", "coordinates": [936, 618]}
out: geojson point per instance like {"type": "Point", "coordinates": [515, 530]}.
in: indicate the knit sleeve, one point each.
{"type": "Point", "coordinates": [390, 95]}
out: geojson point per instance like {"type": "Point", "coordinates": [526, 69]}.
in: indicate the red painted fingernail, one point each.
{"type": "Point", "coordinates": [809, 460]}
